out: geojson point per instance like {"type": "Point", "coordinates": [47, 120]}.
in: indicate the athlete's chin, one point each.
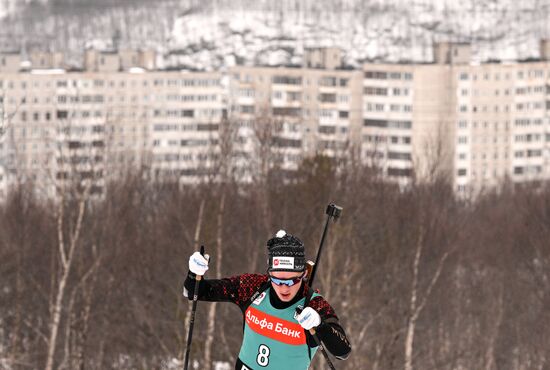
{"type": "Point", "coordinates": [285, 297]}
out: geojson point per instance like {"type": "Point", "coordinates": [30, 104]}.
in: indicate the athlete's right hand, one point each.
{"type": "Point", "coordinates": [198, 264]}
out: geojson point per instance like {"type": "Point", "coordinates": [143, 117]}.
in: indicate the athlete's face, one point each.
{"type": "Point", "coordinates": [284, 292]}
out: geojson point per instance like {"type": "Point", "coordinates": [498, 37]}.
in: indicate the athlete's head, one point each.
{"type": "Point", "coordinates": [287, 264]}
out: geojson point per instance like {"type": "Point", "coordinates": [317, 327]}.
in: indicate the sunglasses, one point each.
{"type": "Point", "coordinates": [287, 282]}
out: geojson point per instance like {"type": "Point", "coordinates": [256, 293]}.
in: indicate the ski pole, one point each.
{"type": "Point", "coordinates": [323, 350]}
{"type": "Point", "coordinates": [332, 211]}
{"type": "Point", "coordinates": [316, 338]}
{"type": "Point", "coordinates": [192, 319]}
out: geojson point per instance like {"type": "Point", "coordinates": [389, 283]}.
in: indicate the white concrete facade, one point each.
{"type": "Point", "coordinates": [309, 110]}
{"type": "Point", "coordinates": [477, 124]}
{"type": "Point", "coordinates": [94, 124]}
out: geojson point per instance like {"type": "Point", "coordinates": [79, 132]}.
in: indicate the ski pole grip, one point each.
{"type": "Point", "coordinates": [299, 311]}
{"type": "Point", "coordinates": [199, 277]}
{"type": "Point", "coordinates": [334, 211]}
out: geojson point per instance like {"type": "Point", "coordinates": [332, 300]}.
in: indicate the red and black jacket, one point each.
{"type": "Point", "coordinates": [242, 289]}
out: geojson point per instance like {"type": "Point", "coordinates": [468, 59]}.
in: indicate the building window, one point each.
{"type": "Point", "coordinates": [399, 124]}
{"type": "Point", "coordinates": [246, 109]}
{"type": "Point", "coordinates": [376, 75]}
{"type": "Point", "coordinates": [294, 112]}
{"type": "Point", "coordinates": [287, 80]}
{"type": "Point", "coordinates": [399, 172]}
{"type": "Point", "coordinates": [372, 90]}
{"type": "Point", "coordinates": [327, 98]}
{"type": "Point", "coordinates": [327, 113]}
{"type": "Point", "coordinates": [343, 98]}
{"type": "Point", "coordinates": [293, 96]}
{"type": "Point", "coordinates": [375, 123]}
{"type": "Point", "coordinates": [327, 130]}
{"type": "Point", "coordinates": [399, 156]}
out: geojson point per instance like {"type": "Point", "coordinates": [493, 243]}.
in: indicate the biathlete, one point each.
{"type": "Point", "coordinates": [276, 323]}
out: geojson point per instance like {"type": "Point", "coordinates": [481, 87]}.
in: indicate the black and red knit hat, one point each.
{"type": "Point", "coordinates": [285, 253]}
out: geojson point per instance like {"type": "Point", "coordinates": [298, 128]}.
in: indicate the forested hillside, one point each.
{"type": "Point", "coordinates": [214, 33]}
{"type": "Point", "coordinates": [419, 279]}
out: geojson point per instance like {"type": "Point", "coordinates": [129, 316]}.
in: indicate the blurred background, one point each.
{"type": "Point", "coordinates": [132, 132]}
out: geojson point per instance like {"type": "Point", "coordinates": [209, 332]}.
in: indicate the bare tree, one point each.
{"type": "Point", "coordinates": [433, 212]}
{"type": "Point", "coordinates": [67, 245]}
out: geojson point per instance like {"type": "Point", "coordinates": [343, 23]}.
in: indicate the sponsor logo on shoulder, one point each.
{"type": "Point", "coordinates": [260, 298]}
{"type": "Point", "coordinates": [286, 263]}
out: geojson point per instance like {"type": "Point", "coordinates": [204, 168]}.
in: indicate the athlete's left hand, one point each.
{"type": "Point", "coordinates": [309, 318]}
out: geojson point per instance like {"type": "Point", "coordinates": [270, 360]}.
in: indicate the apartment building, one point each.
{"type": "Point", "coordinates": [306, 110]}
{"type": "Point", "coordinates": [187, 112]}
{"type": "Point", "coordinates": [87, 125]}
{"type": "Point", "coordinates": [503, 124]}
{"type": "Point", "coordinates": [405, 119]}
{"type": "Point", "coordinates": [477, 123]}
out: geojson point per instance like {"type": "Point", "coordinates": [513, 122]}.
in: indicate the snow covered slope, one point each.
{"type": "Point", "coordinates": [211, 34]}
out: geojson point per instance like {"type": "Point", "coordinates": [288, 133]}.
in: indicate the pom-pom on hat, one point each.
{"type": "Point", "coordinates": [285, 253]}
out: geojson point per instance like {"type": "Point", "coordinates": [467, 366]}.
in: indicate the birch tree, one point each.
{"type": "Point", "coordinates": [68, 242]}
{"type": "Point", "coordinates": [433, 228]}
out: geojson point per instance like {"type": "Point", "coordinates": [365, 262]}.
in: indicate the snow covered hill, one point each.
{"type": "Point", "coordinates": [211, 34]}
